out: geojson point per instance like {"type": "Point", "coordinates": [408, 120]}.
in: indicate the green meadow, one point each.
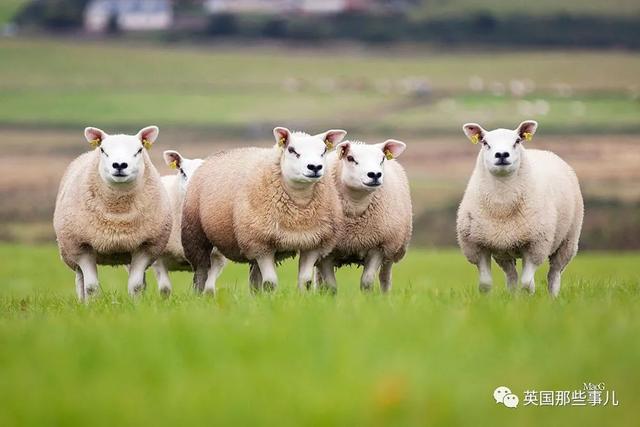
{"type": "Point", "coordinates": [431, 352]}
{"type": "Point", "coordinates": [52, 83]}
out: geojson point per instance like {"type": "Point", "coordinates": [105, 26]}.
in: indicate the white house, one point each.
{"type": "Point", "coordinates": [129, 15]}
{"type": "Point", "coordinates": [284, 6]}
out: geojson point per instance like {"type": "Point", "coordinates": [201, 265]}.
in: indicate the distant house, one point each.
{"type": "Point", "coordinates": [128, 15]}
{"type": "Point", "coordinates": [285, 6]}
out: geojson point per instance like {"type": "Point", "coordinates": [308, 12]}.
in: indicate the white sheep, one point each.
{"type": "Point", "coordinates": [112, 209]}
{"type": "Point", "coordinates": [519, 204]}
{"type": "Point", "coordinates": [172, 258]}
{"type": "Point", "coordinates": [376, 208]}
{"type": "Point", "coordinates": [261, 205]}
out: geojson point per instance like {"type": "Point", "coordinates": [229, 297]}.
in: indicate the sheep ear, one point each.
{"type": "Point", "coordinates": [474, 132]}
{"type": "Point", "coordinates": [343, 149]}
{"type": "Point", "coordinates": [282, 135]}
{"type": "Point", "coordinates": [526, 129]}
{"type": "Point", "coordinates": [333, 137]}
{"type": "Point", "coordinates": [148, 136]}
{"type": "Point", "coordinates": [94, 136]}
{"type": "Point", "coordinates": [392, 148]}
{"type": "Point", "coordinates": [173, 159]}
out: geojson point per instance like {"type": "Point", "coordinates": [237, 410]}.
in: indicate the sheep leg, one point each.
{"type": "Point", "coordinates": [529, 267]}
{"type": "Point", "coordinates": [140, 261]}
{"type": "Point", "coordinates": [385, 276]}
{"type": "Point", "coordinates": [217, 264]}
{"type": "Point", "coordinates": [80, 285]}
{"type": "Point", "coordinates": [267, 265]}
{"type": "Point", "coordinates": [557, 263]}
{"type": "Point", "coordinates": [327, 276]}
{"type": "Point", "coordinates": [306, 264]}
{"type": "Point", "coordinates": [484, 269]}
{"type": "Point", "coordinates": [508, 265]}
{"type": "Point", "coordinates": [89, 269]}
{"type": "Point", "coordinates": [255, 278]}
{"type": "Point", "coordinates": [372, 265]}
{"type": "Point", "coordinates": [162, 276]}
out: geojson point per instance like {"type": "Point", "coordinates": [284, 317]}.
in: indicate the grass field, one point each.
{"type": "Point", "coordinates": [416, 89]}
{"type": "Point", "coordinates": [432, 352]}
{"type": "Point", "coordinates": [441, 8]}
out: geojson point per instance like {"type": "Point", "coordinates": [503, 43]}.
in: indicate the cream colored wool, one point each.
{"type": "Point", "coordinates": [173, 254]}
{"type": "Point", "coordinates": [381, 221]}
{"type": "Point", "coordinates": [237, 203]}
{"type": "Point", "coordinates": [385, 224]}
{"type": "Point", "coordinates": [90, 216]}
{"type": "Point", "coordinates": [536, 213]}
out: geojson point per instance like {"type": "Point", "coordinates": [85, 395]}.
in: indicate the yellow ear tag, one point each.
{"type": "Point", "coordinates": [329, 144]}
{"type": "Point", "coordinates": [282, 141]}
{"type": "Point", "coordinates": [94, 143]}
{"type": "Point", "coordinates": [173, 165]}
{"type": "Point", "coordinates": [388, 154]}
{"type": "Point", "coordinates": [146, 144]}
{"type": "Point", "coordinates": [528, 136]}
{"type": "Point", "coordinates": [475, 138]}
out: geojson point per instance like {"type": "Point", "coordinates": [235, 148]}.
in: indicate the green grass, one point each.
{"type": "Point", "coordinates": [614, 8]}
{"type": "Point", "coordinates": [430, 353]}
{"type": "Point", "coordinates": [59, 83]}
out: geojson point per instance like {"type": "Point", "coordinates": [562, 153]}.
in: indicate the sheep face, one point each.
{"type": "Point", "coordinates": [121, 156]}
{"type": "Point", "coordinates": [502, 149]}
{"type": "Point", "coordinates": [304, 156]}
{"type": "Point", "coordinates": [186, 167]}
{"type": "Point", "coordinates": [363, 165]}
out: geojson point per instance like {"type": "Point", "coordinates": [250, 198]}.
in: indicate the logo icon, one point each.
{"type": "Point", "coordinates": [503, 395]}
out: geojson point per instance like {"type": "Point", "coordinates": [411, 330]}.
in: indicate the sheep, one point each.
{"type": "Point", "coordinates": [112, 209]}
{"type": "Point", "coordinates": [262, 205]}
{"type": "Point", "coordinates": [519, 203]}
{"type": "Point", "coordinates": [376, 208]}
{"type": "Point", "coordinates": [172, 259]}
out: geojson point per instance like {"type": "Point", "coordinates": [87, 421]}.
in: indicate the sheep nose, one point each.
{"type": "Point", "coordinates": [374, 175]}
{"type": "Point", "coordinates": [120, 166]}
{"type": "Point", "coordinates": [503, 155]}
{"type": "Point", "coordinates": [314, 168]}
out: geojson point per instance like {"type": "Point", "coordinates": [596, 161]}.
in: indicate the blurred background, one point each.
{"type": "Point", "coordinates": [220, 73]}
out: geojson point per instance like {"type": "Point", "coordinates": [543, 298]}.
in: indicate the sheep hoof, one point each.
{"type": "Point", "coordinates": [484, 288]}
{"type": "Point", "coordinates": [329, 290]}
{"type": "Point", "coordinates": [269, 286]}
{"type": "Point", "coordinates": [366, 287]}
{"type": "Point", "coordinates": [308, 285]}
{"type": "Point", "coordinates": [529, 287]}
{"type": "Point", "coordinates": [136, 289]}
{"type": "Point", "coordinates": [165, 291]}
{"type": "Point", "coordinates": [209, 291]}
{"type": "Point", "coordinates": [92, 290]}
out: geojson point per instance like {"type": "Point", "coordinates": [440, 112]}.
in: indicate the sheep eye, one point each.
{"type": "Point", "coordinates": [139, 151]}
{"type": "Point", "coordinates": [293, 151]}
{"type": "Point", "coordinates": [486, 145]}
{"type": "Point", "coordinates": [103, 152]}
{"type": "Point", "coordinates": [325, 151]}
{"type": "Point", "coordinates": [351, 159]}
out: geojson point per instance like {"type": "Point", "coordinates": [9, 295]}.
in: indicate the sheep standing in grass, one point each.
{"type": "Point", "coordinates": [261, 205]}
{"type": "Point", "coordinates": [376, 208]}
{"type": "Point", "coordinates": [172, 259]}
{"type": "Point", "coordinates": [519, 204]}
{"type": "Point", "coordinates": [112, 209]}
